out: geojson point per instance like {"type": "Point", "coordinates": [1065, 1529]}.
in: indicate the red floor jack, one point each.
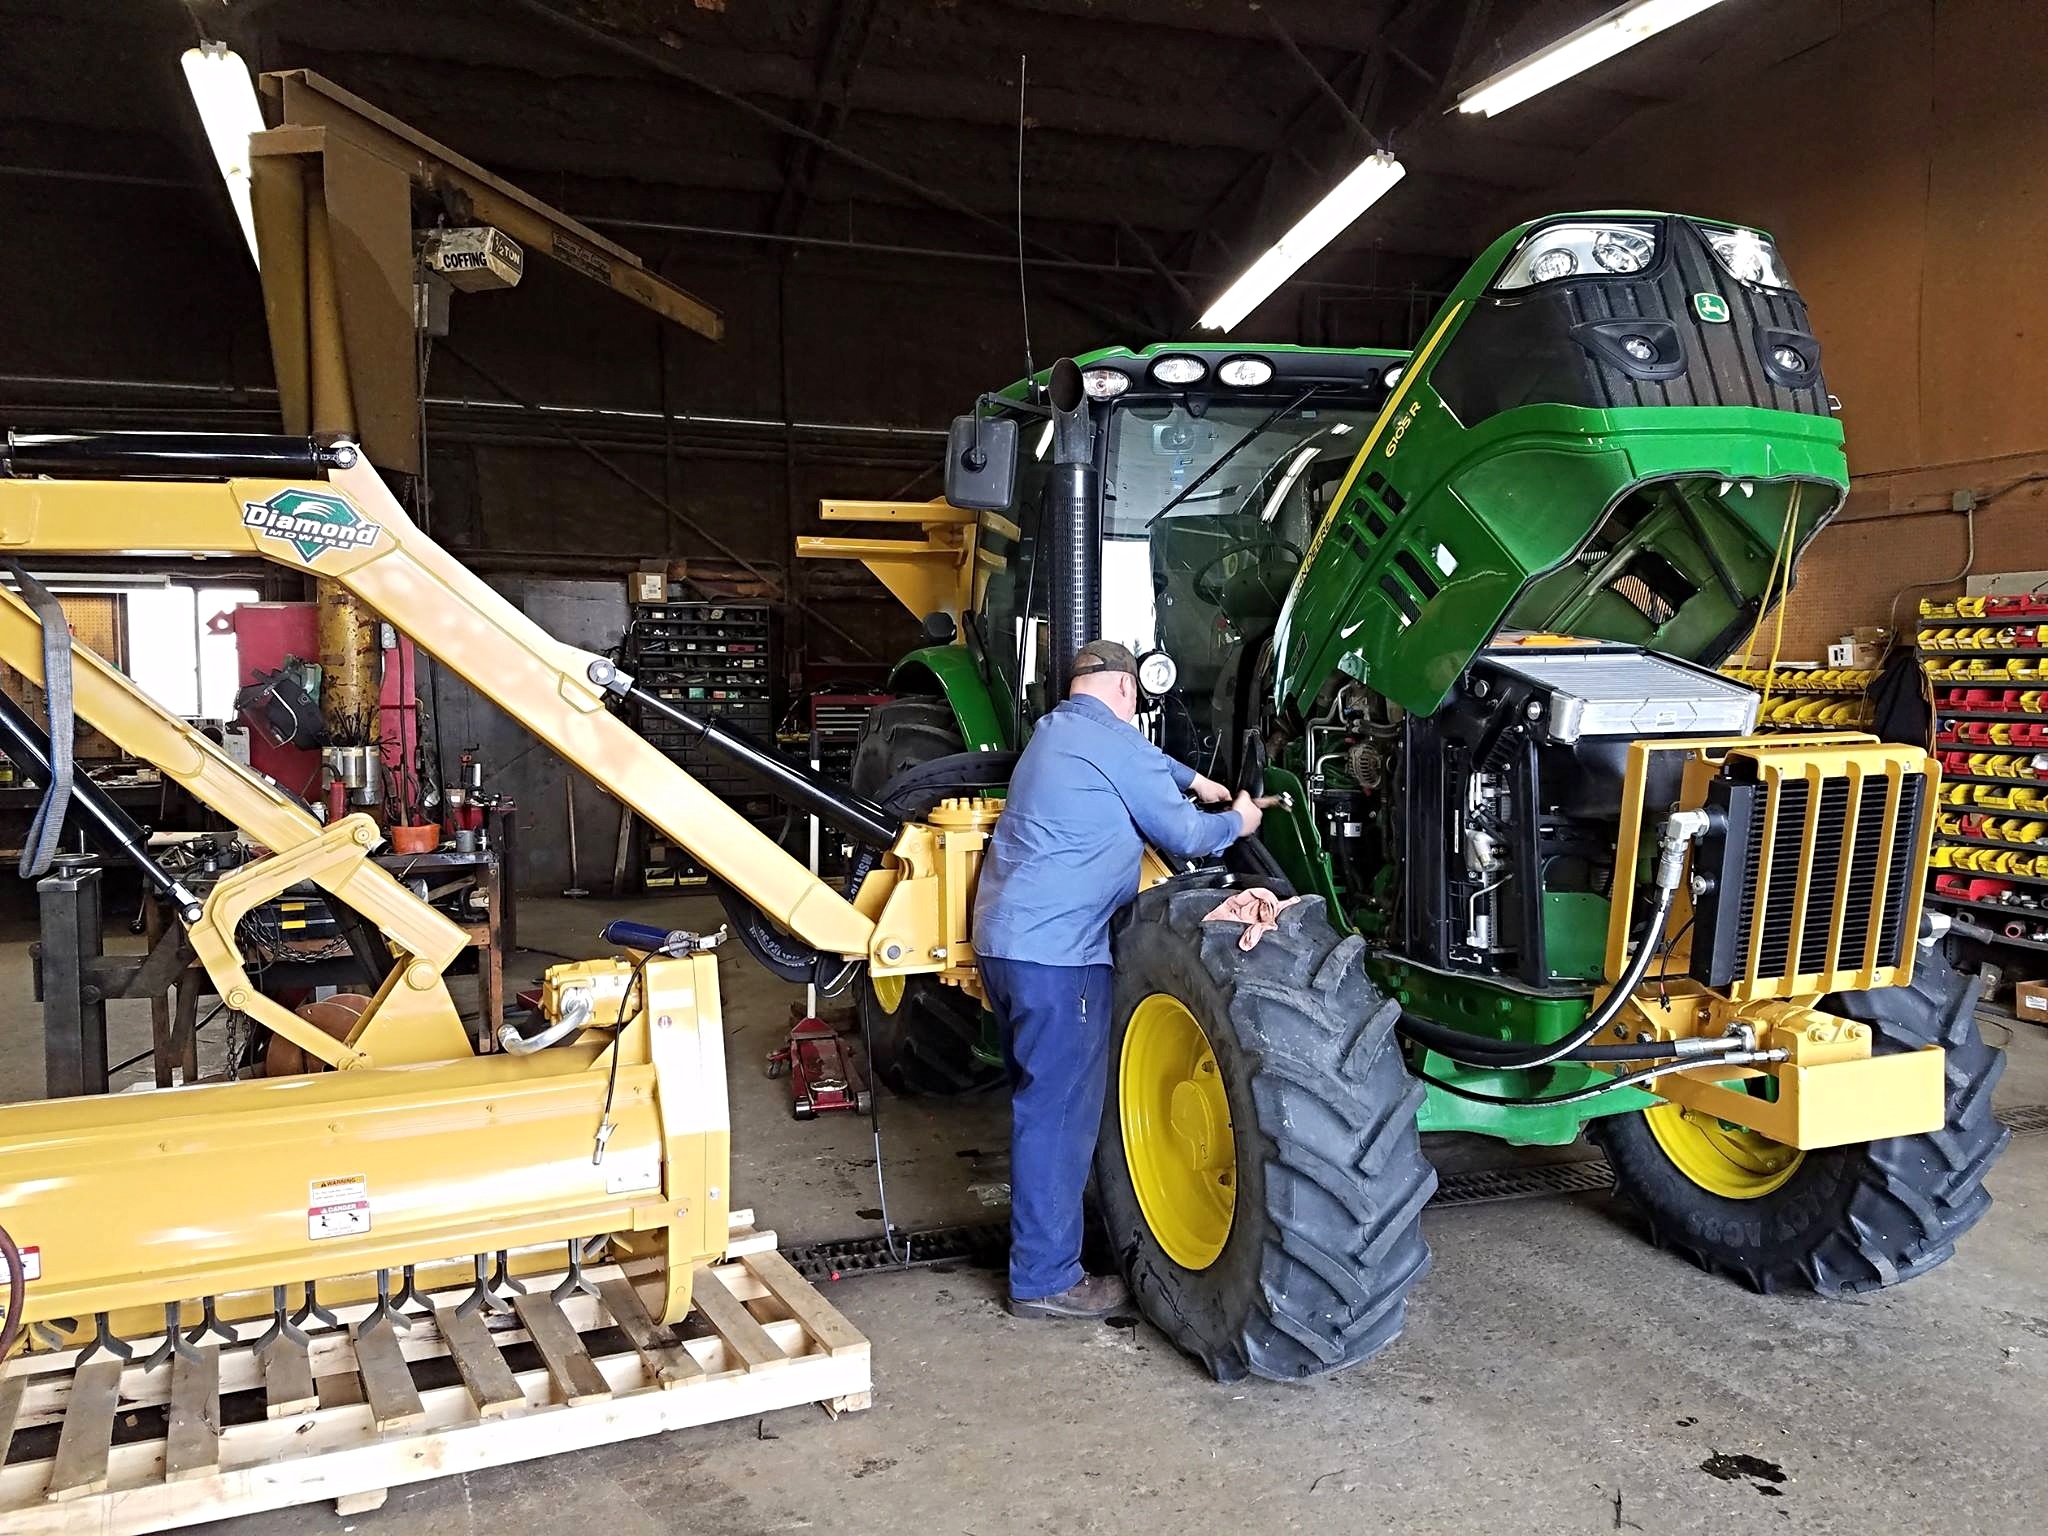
{"type": "Point", "coordinates": [819, 1063]}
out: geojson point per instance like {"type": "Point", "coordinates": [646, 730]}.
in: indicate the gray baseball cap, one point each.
{"type": "Point", "coordinates": [1104, 656]}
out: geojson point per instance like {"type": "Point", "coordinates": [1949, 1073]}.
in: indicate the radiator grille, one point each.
{"type": "Point", "coordinates": [1831, 843]}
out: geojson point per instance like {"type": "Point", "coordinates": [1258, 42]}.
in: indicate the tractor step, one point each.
{"type": "Point", "coordinates": [234, 1429]}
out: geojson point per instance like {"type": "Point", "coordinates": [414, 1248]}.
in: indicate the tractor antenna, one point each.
{"type": "Point", "coordinates": [1023, 298]}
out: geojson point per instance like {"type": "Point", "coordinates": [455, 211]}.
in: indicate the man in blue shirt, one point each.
{"type": "Point", "coordinates": [1087, 795]}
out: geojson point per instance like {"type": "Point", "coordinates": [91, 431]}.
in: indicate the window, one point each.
{"type": "Point", "coordinates": [175, 654]}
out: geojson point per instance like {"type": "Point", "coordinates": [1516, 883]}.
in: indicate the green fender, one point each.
{"type": "Point", "coordinates": [952, 672]}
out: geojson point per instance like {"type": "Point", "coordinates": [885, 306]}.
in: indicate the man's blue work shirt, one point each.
{"type": "Point", "coordinates": [1087, 795]}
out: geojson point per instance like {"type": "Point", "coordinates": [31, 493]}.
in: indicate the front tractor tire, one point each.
{"type": "Point", "coordinates": [1259, 1167]}
{"type": "Point", "coordinates": [1839, 1220]}
{"type": "Point", "coordinates": [927, 1037]}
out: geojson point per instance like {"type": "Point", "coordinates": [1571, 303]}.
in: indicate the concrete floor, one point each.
{"type": "Point", "coordinates": [1557, 1374]}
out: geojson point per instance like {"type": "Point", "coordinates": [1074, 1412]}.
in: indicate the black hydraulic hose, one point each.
{"type": "Point", "coordinates": [111, 827]}
{"type": "Point", "coordinates": [1478, 1051]}
{"type": "Point", "coordinates": [177, 455]}
{"type": "Point", "coordinates": [17, 1295]}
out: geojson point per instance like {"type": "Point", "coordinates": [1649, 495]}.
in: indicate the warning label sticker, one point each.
{"type": "Point", "coordinates": [338, 1207]}
{"type": "Point", "coordinates": [31, 1263]}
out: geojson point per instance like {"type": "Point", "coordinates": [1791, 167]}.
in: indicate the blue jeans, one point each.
{"type": "Point", "coordinates": [1055, 1022]}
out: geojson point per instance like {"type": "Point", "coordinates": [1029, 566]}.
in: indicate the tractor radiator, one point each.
{"type": "Point", "coordinates": [1814, 862]}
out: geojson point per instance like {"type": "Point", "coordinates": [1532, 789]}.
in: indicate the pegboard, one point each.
{"type": "Point", "coordinates": [99, 622]}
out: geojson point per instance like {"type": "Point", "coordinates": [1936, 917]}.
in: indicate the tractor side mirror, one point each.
{"type": "Point", "coordinates": [981, 462]}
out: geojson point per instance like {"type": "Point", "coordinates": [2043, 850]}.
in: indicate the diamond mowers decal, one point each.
{"type": "Point", "coordinates": [1711, 307]}
{"type": "Point", "coordinates": [311, 522]}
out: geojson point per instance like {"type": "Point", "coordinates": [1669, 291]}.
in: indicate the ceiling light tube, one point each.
{"type": "Point", "coordinates": [1373, 179]}
{"type": "Point", "coordinates": [1594, 43]}
{"type": "Point", "coordinates": [226, 99]}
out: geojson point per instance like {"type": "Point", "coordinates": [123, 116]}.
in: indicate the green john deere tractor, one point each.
{"type": "Point", "coordinates": [1460, 608]}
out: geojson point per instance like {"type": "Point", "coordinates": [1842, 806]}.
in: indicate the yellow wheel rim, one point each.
{"type": "Point", "coordinates": [888, 991]}
{"type": "Point", "coordinates": [1176, 1126]}
{"type": "Point", "coordinates": [1721, 1157]}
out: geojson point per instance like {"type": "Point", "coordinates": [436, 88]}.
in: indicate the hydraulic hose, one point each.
{"type": "Point", "coordinates": [1495, 1055]}
{"type": "Point", "coordinates": [1621, 1080]}
{"type": "Point", "coordinates": [576, 1011]}
{"type": "Point", "coordinates": [17, 1295]}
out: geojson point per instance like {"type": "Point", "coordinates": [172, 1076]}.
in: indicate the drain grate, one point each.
{"type": "Point", "coordinates": [1477, 1186]}
{"type": "Point", "coordinates": [841, 1258]}
{"type": "Point", "coordinates": [986, 1243]}
{"type": "Point", "coordinates": [2025, 1119]}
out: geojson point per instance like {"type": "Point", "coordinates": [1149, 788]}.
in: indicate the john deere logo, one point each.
{"type": "Point", "coordinates": [311, 522]}
{"type": "Point", "coordinates": [1710, 307]}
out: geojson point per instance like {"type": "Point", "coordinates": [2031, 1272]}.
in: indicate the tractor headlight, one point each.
{"type": "Point", "coordinates": [1104, 383]}
{"type": "Point", "coordinates": [1748, 255]}
{"type": "Point", "coordinates": [1180, 369]}
{"type": "Point", "coordinates": [1245, 372]}
{"type": "Point", "coordinates": [1157, 674]}
{"type": "Point", "coordinates": [1558, 251]}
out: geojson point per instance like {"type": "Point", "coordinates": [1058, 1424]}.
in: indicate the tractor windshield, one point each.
{"type": "Point", "coordinates": [1200, 567]}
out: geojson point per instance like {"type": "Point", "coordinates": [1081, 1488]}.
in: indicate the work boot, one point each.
{"type": "Point", "coordinates": [1092, 1296]}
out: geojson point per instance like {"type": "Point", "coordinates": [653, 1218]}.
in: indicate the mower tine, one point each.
{"type": "Point", "coordinates": [409, 1293]}
{"type": "Point", "coordinates": [209, 1322]}
{"type": "Point", "coordinates": [174, 1343]}
{"type": "Point", "coordinates": [281, 1326]}
{"type": "Point", "coordinates": [575, 1282]}
{"type": "Point", "coordinates": [313, 1310]}
{"type": "Point", "coordinates": [501, 1279]}
{"type": "Point", "coordinates": [480, 1299]}
{"type": "Point", "coordinates": [104, 1338]}
{"type": "Point", "coordinates": [384, 1311]}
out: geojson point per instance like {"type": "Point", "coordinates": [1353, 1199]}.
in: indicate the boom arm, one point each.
{"type": "Point", "coordinates": [349, 529]}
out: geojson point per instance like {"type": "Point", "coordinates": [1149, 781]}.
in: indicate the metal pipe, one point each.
{"type": "Point", "coordinates": [110, 826]}
{"type": "Point", "coordinates": [851, 813]}
{"type": "Point", "coordinates": [1073, 524]}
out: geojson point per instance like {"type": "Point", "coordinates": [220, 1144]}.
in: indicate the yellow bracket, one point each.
{"type": "Point", "coordinates": [411, 1019]}
{"type": "Point", "coordinates": [934, 574]}
{"type": "Point", "coordinates": [1831, 1090]}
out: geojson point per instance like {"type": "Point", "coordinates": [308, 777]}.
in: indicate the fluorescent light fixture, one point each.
{"type": "Point", "coordinates": [226, 98]}
{"type": "Point", "coordinates": [1594, 43]}
{"type": "Point", "coordinates": [1373, 179]}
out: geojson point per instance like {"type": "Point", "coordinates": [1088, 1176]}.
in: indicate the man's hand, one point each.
{"type": "Point", "coordinates": [1248, 812]}
{"type": "Point", "coordinates": [1208, 791]}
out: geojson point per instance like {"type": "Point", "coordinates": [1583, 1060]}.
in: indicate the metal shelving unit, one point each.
{"type": "Point", "coordinates": [712, 658]}
{"type": "Point", "coordinates": [2032, 910]}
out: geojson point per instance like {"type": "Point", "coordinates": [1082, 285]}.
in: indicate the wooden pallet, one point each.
{"type": "Point", "coordinates": [366, 1408]}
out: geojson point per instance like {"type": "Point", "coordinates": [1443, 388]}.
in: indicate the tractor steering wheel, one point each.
{"type": "Point", "coordinates": [1210, 590]}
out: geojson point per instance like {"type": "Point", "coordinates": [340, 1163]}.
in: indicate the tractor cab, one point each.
{"type": "Point", "coordinates": [1215, 465]}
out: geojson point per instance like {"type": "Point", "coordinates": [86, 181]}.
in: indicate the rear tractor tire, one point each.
{"type": "Point", "coordinates": [924, 1035]}
{"type": "Point", "coordinates": [1259, 1167]}
{"type": "Point", "coordinates": [1838, 1220]}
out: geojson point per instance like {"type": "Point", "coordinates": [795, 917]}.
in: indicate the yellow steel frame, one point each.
{"type": "Point", "coordinates": [1830, 1089]}
{"type": "Point", "coordinates": [932, 574]}
{"type": "Point", "coordinates": [161, 1198]}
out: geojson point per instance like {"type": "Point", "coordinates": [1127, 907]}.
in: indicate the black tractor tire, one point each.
{"type": "Point", "coordinates": [1325, 1239]}
{"type": "Point", "coordinates": [925, 1046]}
{"type": "Point", "coordinates": [1855, 1218]}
